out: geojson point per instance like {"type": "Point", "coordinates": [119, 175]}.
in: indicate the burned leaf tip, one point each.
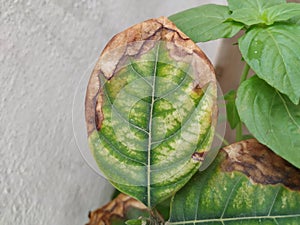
{"type": "Point", "coordinates": [260, 164]}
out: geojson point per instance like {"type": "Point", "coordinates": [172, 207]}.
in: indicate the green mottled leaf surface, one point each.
{"type": "Point", "coordinates": [157, 116]}
{"type": "Point", "coordinates": [207, 22]}
{"type": "Point", "coordinates": [219, 196]}
{"type": "Point", "coordinates": [271, 117]}
{"type": "Point", "coordinates": [276, 60]}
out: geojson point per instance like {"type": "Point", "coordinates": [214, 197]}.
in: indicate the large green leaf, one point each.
{"type": "Point", "coordinates": [259, 5]}
{"type": "Point", "coordinates": [207, 22]}
{"type": "Point", "coordinates": [247, 184]}
{"type": "Point", "coordinates": [274, 54]}
{"type": "Point", "coordinates": [271, 117]}
{"type": "Point", "coordinates": [151, 121]}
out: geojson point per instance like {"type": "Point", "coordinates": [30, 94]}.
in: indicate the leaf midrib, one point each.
{"type": "Point", "coordinates": [150, 129]}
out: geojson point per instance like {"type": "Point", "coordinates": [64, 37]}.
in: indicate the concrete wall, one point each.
{"type": "Point", "coordinates": [45, 47]}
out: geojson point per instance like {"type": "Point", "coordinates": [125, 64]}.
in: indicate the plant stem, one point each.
{"type": "Point", "coordinates": [239, 127]}
{"type": "Point", "coordinates": [245, 73]}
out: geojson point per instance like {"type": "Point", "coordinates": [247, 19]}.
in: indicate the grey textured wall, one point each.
{"type": "Point", "coordinates": [45, 47]}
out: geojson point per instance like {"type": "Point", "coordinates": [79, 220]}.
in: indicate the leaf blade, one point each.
{"type": "Point", "coordinates": [276, 61]}
{"type": "Point", "coordinates": [153, 112]}
{"type": "Point", "coordinates": [271, 118]}
{"type": "Point", "coordinates": [224, 194]}
{"type": "Point", "coordinates": [207, 22]}
{"type": "Point", "coordinates": [258, 5]}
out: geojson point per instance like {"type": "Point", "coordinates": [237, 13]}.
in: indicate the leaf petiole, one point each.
{"type": "Point", "coordinates": [239, 127]}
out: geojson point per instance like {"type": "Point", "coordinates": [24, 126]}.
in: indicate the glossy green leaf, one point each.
{"type": "Point", "coordinates": [232, 113]}
{"type": "Point", "coordinates": [271, 117]}
{"type": "Point", "coordinates": [156, 113]}
{"type": "Point", "coordinates": [238, 189]}
{"type": "Point", "coordinates": [282, 12]}
{"type": "Point", "coordinates": [259, 5]}
{"type": "Point", "coordinates": [274, 54]}
{"type": "Point", "coordinates": [207, 22]}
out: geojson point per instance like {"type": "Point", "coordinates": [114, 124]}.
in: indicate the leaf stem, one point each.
{"type": "Point", "coordinates": [245, 73]}
{"type": "Point", "coordinates": [239, 127]}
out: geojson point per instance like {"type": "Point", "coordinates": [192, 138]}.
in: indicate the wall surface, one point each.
{"type": "Point", "coordinates": [45, 48]}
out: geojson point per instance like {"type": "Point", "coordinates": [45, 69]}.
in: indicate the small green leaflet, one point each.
{"type": "Point", "coordinates": [219, 196]}
{"type": "Point", "coordinates": [271, 117]}
{"type": "Point", "coordinates": [274, 54]}
{"type": "Point", "coordinates": [207, 22]}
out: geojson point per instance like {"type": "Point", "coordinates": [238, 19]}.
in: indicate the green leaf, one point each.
{"type": "Point", "coordinates": [154, 116]}
{"type": "Point", "coordinates": [252, 12]}
{"type": "Point", "coordinates": [295, 20]}
{"type": "Point", "coordinates": [232, 113]}
{"type": "Point", "coordinates": [282, 12]}
{"type": "Point", "coordinates": [259, 5]}
{"type": "Point", "coordinates": [271, 117]}
{"type": "Point", "coordinates": [247, 184]}
{"type": "Point", "coordinates": [207, 22]}
{"type": "Point", "coordinates": [248, 16]}
{"type": "Point", "coordinates": [274, 54]}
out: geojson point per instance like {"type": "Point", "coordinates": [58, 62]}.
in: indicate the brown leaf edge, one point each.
{"type": "Point", "coordinates": [117, 208]}
{"type": "Point", "coordinates": [260, 164]}
{"type": "Point", "coordinates": [121, 45]}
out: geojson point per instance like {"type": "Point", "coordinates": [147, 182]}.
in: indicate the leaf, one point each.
{"type": "Point", "coordinates": [206, 22]}
{"type": "Point", "coordinates": [247, 184]}
{"type": "Point", "coordinates": [274, 54]}
{"type": "Point", "coordinates": [295, 20]}
{"type": "Point", "coordinates": [271, 117]}
{"type": "Point", "coordinates": [231, 111]}
{"type": "Point", "coordinates": [151, 121]}
{"type": "Point", "coordinates": [259, 5]}
{"type": "Point", "coordinates": [282, 12]}
{"type": "Point", "coordinates": [118, 211]}
{"type": "Point", "coordinates": [248, 16]}
{"type": "Point", "coordinates": [252, 12]}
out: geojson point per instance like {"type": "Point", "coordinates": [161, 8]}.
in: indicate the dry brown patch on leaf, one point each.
{"type": "Point", "coordinates": [117, 208]}
{"type": "Point", "coordinates": [134, 42]}
{"type": "Point", "coordinates": [260, 164]}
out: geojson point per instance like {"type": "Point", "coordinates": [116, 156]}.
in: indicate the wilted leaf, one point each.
{"type": "Point", "coordinates": [206, 22]}
{"type": "Point", "coordinates": [271, 117]}
{"type": "Point", "coordinates": [118, 211]}
{"type": "Point", "coordinates": [277, 60]}
{"type": "Point", "coordinates": [151, 110]}
{"type": "Point", "coordinates": [247, 184]}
